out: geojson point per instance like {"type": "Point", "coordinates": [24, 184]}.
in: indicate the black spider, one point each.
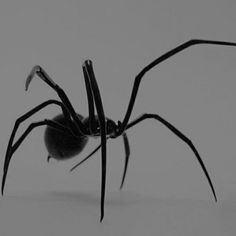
{"type": "Point", "coordinates": [67, 134]}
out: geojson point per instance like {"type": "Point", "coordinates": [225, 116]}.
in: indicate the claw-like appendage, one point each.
{"type": "Point", "coordinates": [34, 70]}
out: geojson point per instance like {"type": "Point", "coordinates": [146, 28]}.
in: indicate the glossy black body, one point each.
{"type": "Point", "coordinates": [63, 145]}
{"type": "Point", "coordinates": [60, 145]}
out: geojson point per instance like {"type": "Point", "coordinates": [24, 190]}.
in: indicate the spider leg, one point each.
{"type": "Point", "coordinates": [12, 148]}
{"type": "Point", "coordinates": [127, 154]}
{"type": "Point", "coordinates": [180, 135]}
{"type": "Point", "coordinates": [33, 111]}
{"type": "Point", "coordinates": [38, 70]}
{"type": "Point", "coordinates": [30, 113]}
{"type": "Point", "coordinates": [86, 158]}
{"type": "Point", "coordinates": [157, 61]}
{"type": "Point", "coordinates": [92, 122]}
{"type": "Point", "coordinates": [102, 124]}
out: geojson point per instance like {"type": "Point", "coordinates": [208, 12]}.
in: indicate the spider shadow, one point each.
{"type": "Point", "coordinates": [116, 199]}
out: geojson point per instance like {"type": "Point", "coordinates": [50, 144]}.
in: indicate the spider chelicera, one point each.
{"type": "Point", "coordinates": [67, 134]}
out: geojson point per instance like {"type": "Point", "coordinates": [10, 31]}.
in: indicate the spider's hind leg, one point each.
{"type": "Point", "coordinates": [181, 136]}
{"type": "Point", "coordinates": [127, 155]}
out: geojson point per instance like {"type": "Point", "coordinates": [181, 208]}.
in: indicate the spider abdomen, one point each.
{"type": "Point", "coordinates": [62, 146]}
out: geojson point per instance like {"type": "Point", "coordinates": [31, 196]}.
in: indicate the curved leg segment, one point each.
{"type": "Point", "coordinates": [12, 148]}
{"type": "Point", "coordinates": [32, 112]}
{"type": "Point", "coordinates": [127, 154]}
{"type": "Point", "coordinates": [38, 70]}
{"type": "Point", "coordinates": [157, 61]}
{"type": "Point", "coordinates": [181, 136]}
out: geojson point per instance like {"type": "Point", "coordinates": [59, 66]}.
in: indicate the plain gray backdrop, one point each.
{"type": "Point", "coordinates": [166, 192]}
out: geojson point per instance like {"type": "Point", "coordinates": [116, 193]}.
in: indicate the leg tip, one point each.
{"type": "Point", "coordinates": [101, 218]}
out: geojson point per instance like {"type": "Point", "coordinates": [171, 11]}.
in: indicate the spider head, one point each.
{"type": "Point", "coordinates": [111, 127]}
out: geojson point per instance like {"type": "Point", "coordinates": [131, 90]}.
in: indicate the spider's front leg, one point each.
{"type": "Point", "coordinates": [180, 135]}
{"type": "Point", "coordinates": [92, 120]}
{"type": "Point", "coordinates": [102, 124]}
{"type": "Point", "coordinates": [38, 70]}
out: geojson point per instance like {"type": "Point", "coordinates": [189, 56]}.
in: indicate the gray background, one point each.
{"type": "Point", "coordinates": [166, 192]}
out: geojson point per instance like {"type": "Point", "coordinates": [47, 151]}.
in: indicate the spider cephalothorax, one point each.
{"type": "Point", "coordinates": [67, 134]}
{"type": "Point", "coordinates": [62, 146]}
{"type": "Point", "coordinates": [111, 127]}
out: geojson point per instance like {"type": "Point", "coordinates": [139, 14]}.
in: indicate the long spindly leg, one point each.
{"type": "Point", "coordinates": [36, 109]}
{"type": "Point", "coordinates": [38, 70]}
{"type": "Point", "coordinates": [157, 61]}
{"type": "Point", "coordinates": [86, 158]}
{"type": "Point", "coordinates": [102, 124]}
{"type": "Point", "coordinates": [127, 154]}
{"type": "Point", "coordinates": [13, 148]}
{"type": "Point", "coordinates": [30, 113]}
{"type": "Point", "coordinates": [92, 123]}
{"type": "Point", "coordinates": [180, 135]}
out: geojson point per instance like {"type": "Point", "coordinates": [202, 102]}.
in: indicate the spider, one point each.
{"type": "Point", "coordinates": [67, 134]}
